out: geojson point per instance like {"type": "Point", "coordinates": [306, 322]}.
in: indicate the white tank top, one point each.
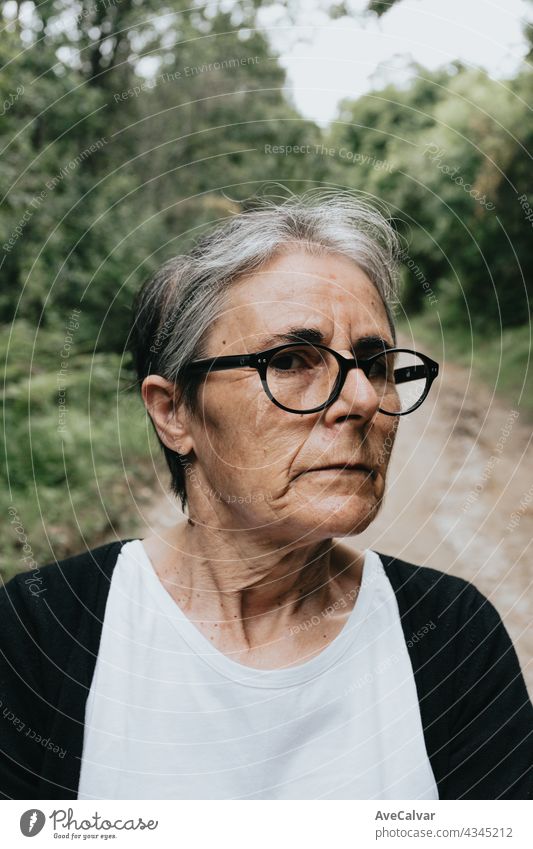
{"type": "Point", "coordinates": [170, 717]}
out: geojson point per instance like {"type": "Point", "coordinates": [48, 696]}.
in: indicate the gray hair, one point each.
{"type": "Point", "coordinates": [176, 308]}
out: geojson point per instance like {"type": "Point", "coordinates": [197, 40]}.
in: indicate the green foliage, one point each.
{"type": "Point", "coordinates": [381, 6]}
{"type": "Point", "coordinates": [454, 151]}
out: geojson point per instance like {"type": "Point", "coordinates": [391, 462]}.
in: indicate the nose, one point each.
{"type": "Point", "coordinates": [357, 398]}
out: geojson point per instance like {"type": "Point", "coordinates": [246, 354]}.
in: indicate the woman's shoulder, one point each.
{"type": "Point", "coordinates": [421, 583]}
{"type": "Point", "coordinates": [57, 588]}
{"type": "Point", "coordinates": [50, 625]}
{"type": "Point", "coordinates": [475, 708]}
{"type": "Point", "coordinates": [51, 614]}
{"type": "Point", "coordinates": [463, 614]}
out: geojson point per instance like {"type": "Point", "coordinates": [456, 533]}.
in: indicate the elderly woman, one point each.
{"type": "Point", "coordinates": [245, 653]}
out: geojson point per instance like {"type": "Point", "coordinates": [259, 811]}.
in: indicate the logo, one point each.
{"type": "Point", "coordinates": [32, 822]}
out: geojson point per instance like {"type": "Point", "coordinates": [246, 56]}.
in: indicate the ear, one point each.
{"type": "Point", "coordinates": [162, 400]}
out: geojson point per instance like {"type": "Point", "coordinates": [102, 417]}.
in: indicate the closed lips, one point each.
{"type": "Point", "coordinates": [343, 467]}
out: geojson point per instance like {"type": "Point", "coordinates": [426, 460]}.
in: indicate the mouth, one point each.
{"type": "Point", "coordinates": [352, 468]}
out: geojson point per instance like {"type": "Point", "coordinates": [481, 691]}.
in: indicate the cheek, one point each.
{"type": "Point", "coordinates": [385, 443]}
{"type": "Point", "coordinates": [244, 433]}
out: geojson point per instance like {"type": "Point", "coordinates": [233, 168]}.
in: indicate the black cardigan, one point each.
{"type": "Point", "coordinates": [476, 714]}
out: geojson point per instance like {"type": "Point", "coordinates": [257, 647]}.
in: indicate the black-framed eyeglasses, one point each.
{"type": "Point", "coordinates": [305, 378]}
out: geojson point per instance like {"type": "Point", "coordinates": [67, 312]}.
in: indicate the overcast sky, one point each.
{"type": "Point", "coordinates": [328, 60]}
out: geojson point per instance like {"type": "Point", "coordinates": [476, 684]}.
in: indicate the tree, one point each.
{"type": "Point", "coordinates": [449, 155]}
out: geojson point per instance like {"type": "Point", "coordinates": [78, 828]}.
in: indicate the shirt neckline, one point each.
{"type": "Point", "coordinates": [232, 669]}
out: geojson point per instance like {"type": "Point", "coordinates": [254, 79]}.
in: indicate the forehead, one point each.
{"type": "Point", "coordinates": [329, 289]}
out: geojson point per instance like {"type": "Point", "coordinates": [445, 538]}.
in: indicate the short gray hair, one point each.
{"type": "Point", "coordinates": [175, 309]}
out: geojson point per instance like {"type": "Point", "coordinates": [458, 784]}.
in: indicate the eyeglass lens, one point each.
{"type": "Point", "coordinates": [304, 378]}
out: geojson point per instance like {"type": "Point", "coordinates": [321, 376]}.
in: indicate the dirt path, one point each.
{"type": "Point", "coordinates": [460, 499]}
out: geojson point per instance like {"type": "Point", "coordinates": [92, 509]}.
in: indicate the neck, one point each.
{"type": "Point", "coordinates": [243, 581]}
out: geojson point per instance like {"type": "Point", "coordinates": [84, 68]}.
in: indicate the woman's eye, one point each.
{"type": "Point", "coordinates": [288, 362]}
{"type": "Point", "coordinates": [381, 368]}
{"type": "Point", "coordinates": [378, 367]}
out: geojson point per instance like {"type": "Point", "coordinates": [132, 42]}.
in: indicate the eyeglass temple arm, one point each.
{"type": "Point", "coordinates": [403, 375]}
{"type": "Point", "coordinates": [222, 363]}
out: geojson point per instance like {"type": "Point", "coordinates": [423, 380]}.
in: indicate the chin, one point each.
{"type": "Point", "coordinates": [343, 516]}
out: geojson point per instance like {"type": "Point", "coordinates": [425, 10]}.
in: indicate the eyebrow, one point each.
{"type": "Point", "coordinates": [314, 336]}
